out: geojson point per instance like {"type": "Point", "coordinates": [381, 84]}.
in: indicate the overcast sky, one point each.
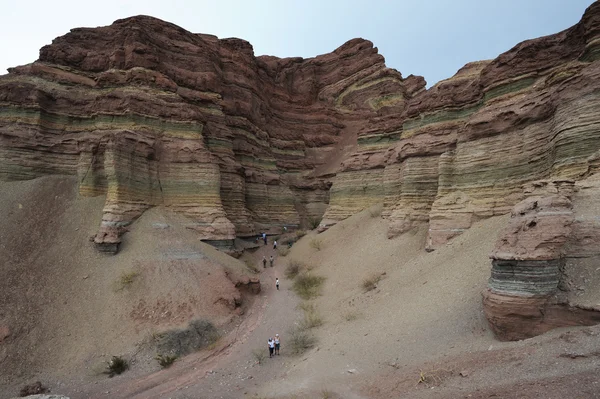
{"type": "Point", "coordinates": [432, 38]}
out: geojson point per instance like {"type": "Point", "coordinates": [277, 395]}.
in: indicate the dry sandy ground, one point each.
{"type": "Point", "coordinates": [423, 320]}
{"type": "Point", "coordinates": [64, 303]}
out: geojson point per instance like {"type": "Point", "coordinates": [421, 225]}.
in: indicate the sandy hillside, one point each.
{"type": "Point", "coordinates": [65, 304]}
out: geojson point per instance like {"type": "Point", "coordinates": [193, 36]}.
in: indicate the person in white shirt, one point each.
{"type": "Point", "coordinates": [277, 283]}
{"type": "Point", "coordinates": [277, 343]}
{"type": "Point", "coordinates": [271, 346]}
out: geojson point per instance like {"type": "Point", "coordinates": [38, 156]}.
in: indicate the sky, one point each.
{"type": "Point", "coordinates": [431, 38]}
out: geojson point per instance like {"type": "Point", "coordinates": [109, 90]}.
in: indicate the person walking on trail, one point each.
{"type": "Point", "coordinates": [265, 238]}
{"type": "Point", "coordinates": [271, 260]}
{"type": "Point", "coordinates": [271, 343]}
{"type": "Point", "coordinates": [265, 262]}
{"type": "Point", "coordinates": [275, 244]}
{"type": "Point", "coordinates": [277, 283]}
{"type": "Point", "coordinates": [277, 344]}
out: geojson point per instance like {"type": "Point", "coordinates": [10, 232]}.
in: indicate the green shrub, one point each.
{"type": "Point", "coordinates": [308, 286]}
{"type": "Point", "coordinates": [116, 365]}
{"type": "Point", "coordinates": [125, 280]}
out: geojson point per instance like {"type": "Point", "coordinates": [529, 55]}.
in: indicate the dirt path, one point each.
{"type": "Point", "coordinates": [231, 370]}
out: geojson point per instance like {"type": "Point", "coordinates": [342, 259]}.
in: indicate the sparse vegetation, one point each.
{"type": "Point", "coordinates": [312, 318]}
{"type": "Point", "coordinates": [316, 243]}
{"type": "Point", "coordinates": [351, 316]}
{"type": "Point", "coordinates": [294, 268]}
{"type": "Point", "coordinates": [33, 389]}
{"type": "Point", "coordinates": [300, 233]}
{"type": "Point", "coordinates": [301, 340]}
{"type": "Point", "coordinates": [165, 360]}
{"type": "Point", "coordinates": [116, 365]}
{"type": "Point", "coordinates": [125, 280]}
{"type": "Point", "coordinates": [283, 251]}
{"type": "Point", "coordinates": [259, 355]}
{"type": "Point", "coordinates": [325, 394]}
{"type": "Point", "coordinates": [314, 223]}
{"type": "Point", "coordinates": [433, 377]}
{"type": "Point", "coordinates": [370, 283]}
{"type": "Point", "coordinates": [308, 286]}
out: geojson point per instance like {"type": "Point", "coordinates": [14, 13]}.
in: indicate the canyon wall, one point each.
{"type": "Point", "coordinates": [146, 114]}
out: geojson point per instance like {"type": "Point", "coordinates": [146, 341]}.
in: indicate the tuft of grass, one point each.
{"type": "Point", "coordinates": [308, 286]}
{"type": "Point", "coordinates": [370, 283]}
{"type": "Point", "coordinates": [433, 377]}
{"type": "Point", "coordinates": [300, 233]}
{"type": "Point", "coordinates": [294, 268]}
{"type": "Point", "coordinates": [314, 223]}
{"type": "Point", "coordinates": [259, 355]}
{"type": "Point", "coordinates": [283, 251]}
{"type": "Point", "coordinates": [325, 394]}
{"type": "Point", "coordinates": [116, 365]}
{"type": "Point", "coordinates": [125, 280]}
{"type": "Point", "coordinates": [316, 243]}
{"type": "Point", "coordinates": [312, 318]}
{"type": "Point", "coordinates": [165, 360]}
{"type": "Point", "coordinates": [300, 340]}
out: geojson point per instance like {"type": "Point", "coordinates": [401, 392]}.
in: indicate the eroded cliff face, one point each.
{"type": "Point", "coordinates": [463, 149]}
{"type": "Point", "coordinates": [150, 114]}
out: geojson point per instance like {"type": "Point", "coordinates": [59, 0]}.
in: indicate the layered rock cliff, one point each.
{"type": "Point", "coordinates": [149, 114]}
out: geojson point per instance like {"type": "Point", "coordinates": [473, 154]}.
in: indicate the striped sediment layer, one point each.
{"type": "Point", "coordinates": [146, 114]}
{"type": "Point", "coordinates": [528, 291]}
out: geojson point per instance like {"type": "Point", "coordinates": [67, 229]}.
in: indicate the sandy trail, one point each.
{"type": "Point", "coordinates": [230, 370]}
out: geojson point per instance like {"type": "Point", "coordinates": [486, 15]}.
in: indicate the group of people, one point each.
{"type": "Point", "coordinates": [274, 345]}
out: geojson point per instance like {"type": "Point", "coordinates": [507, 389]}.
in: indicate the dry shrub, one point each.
{"type": "Point", "coordinates": [300, 233]}
{"type": "Point", "coordinates": [283, 251]}
{"type": "Point", "coordinates": [308, 286]}
{"type": "Point", "coordinates": [351, 316]}
{"type": "Point", "coordinates": [316, 243]}
{"type": "Point", "coordinates": [199, 334]}
{"type": "Point", "coordinates": [312, 318]}
{"type": "Point", "coordinates": [294, 268]}
{"type": "Point", "coordinates": [165, 360]}
{"type": "Point", "coordinates": [301, 340]}
{"type": "Point", "coordinates": [259, 355]}
{"type": "Point", "coordinates": [125, 280]}
{"type": "Point", "coordinates": [370, 283]}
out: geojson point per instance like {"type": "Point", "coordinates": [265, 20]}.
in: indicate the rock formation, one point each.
{"type": "Point", "coordinates": [528, 289]}
{"type": "Point", "coordinates": [149, 114]}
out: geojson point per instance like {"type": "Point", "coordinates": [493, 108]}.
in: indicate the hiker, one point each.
{"type": "Point", "coordinates": [277, 284]}
{"type": "Point", "coordinates": [271, 260]}
{"type": "Point", "coordinates": [284, 229]}
{"type": "Point", "coordinates": [271, 346]}
{"type": "Point", "coordinates": [264, 262]}
{"type": "Point", "coordinates": [275, 244]}
{"type": "Point", "coordinates": [277, 343]}
{"type": "Point", "coordinates": [265, 238]}
{"type": "Point", "coordinates": [290, 243]}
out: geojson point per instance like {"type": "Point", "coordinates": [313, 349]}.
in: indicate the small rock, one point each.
{"type": "Point", "coordinates": [4, 333]}
{"type": "Point", "coordinates": [464, 373]}
{"type": "Point", "coordinates": [85, 277]}
{"type": "Point", "coordinates": [352, 371]}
